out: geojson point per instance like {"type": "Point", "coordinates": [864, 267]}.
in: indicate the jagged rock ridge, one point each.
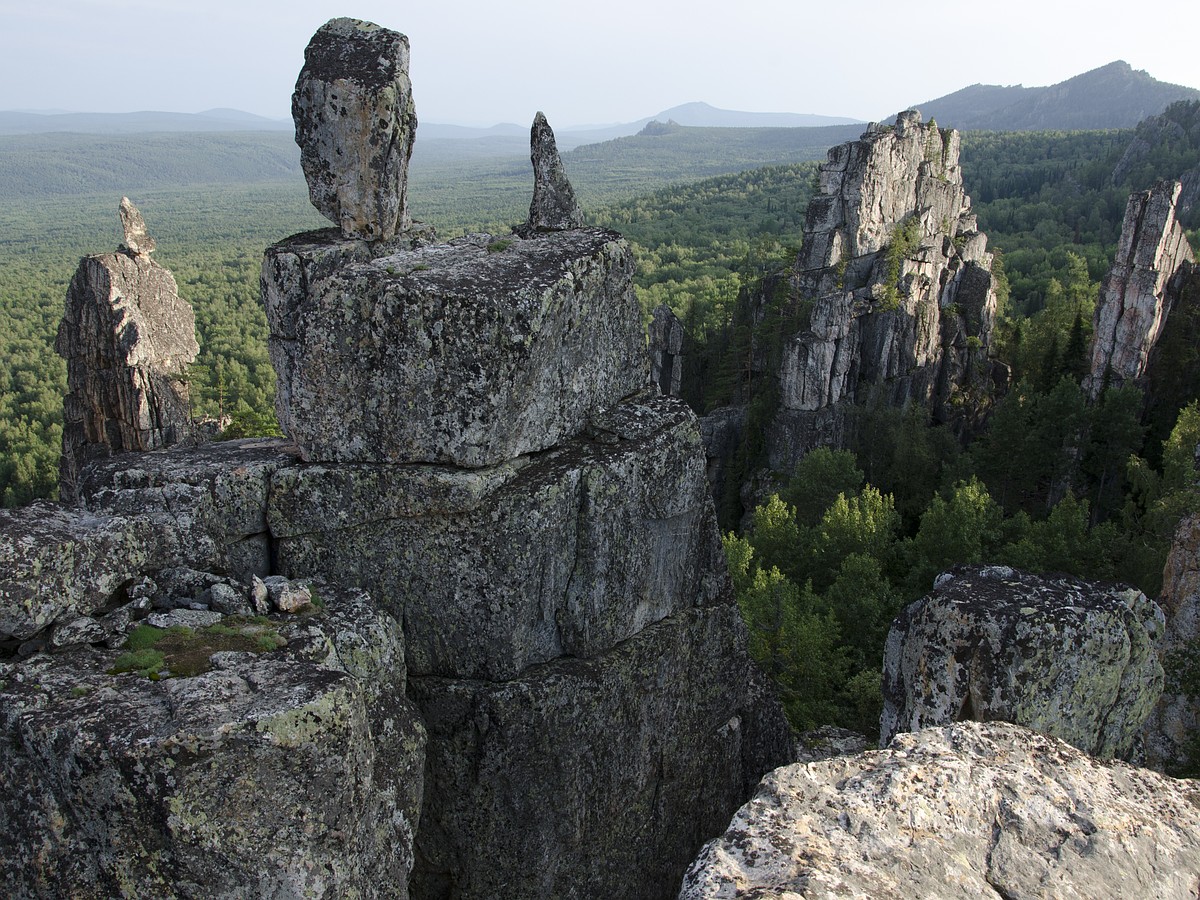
{"type": "Point", "coordinates": [897, 282]}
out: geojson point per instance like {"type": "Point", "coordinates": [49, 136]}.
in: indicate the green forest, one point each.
{"type": "Point", "coordinates": [821, 566]}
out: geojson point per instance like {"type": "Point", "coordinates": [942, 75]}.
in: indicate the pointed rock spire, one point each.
{"type": "Point", "coordinates": [137, 238]}
{"type": "Point", "coordinates": [554, 207]}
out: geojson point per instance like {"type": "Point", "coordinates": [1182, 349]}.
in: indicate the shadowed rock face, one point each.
{"type": "Point", "coordinates": [963, 811]}
{"type": "Point", "coordinates": [127, 338]}
{"type": "Point", "coordinates": [1066, 657]}
{"type": "Point", "coordinates": [1136, 296]}
{"type": "Point", "coordinates": [355, 124]}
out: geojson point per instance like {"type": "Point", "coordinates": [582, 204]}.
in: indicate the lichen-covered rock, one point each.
{"type": "Point", "coordinates": [1174, 725]}
{"type": "Point", "coordinates": [964, 811]}
{"type": "Point", "coordinates": [355, 124]}
{"type": "Point", "coordinates": [1137, 293]}
{"type": "Point", "coordinates": [895, 282]}
{"type": "Point", "coordinates": [137, 237]}
{"type": "Point", "coordinates": [497, 569]}
{"type": "Point", "coordinates": [1066, 657]}
{"type": "Point", "coordinates": [127, 338]}
{"type": "Point", "coordinates": [596, 777]}
{"type": "Point", "coordinates": [289, 773]}
{"type": "Point", "coordinates": [469, 353]}
{"type": "Point", "coordinates": [553, 207]}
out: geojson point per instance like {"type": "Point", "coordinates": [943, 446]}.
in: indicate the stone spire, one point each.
{"type": "Point", "coordinates": [355, 124]}
{"type": "Point", "coordinates": [1137, 293]}
{"type": "Point", "coordinates": [127, 338]}
{"type": "Point", "coordinates": [554, 207]}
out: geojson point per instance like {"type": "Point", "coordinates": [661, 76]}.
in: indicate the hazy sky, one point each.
{"type": "Point", "coordinates": [598, 62]}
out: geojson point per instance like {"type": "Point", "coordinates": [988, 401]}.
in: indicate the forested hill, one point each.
{"type": "Point", "coordinates": [1113, 96]}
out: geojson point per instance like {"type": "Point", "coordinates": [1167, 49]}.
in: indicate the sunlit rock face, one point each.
{"type": "Point", "coordinates": [1136, 296]}
{"type": "Point", "coordinates": [1069, 658]}
{"type": "Point", "coordinates": [960, 811]}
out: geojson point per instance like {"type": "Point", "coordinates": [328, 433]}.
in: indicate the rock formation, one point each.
{"type": "Point", "coordinates": [666, 351]}
{"type": "Point", "coordinates": [895, 281]}
{"type": "Point", "coordinates": [1174, 725]}
{"type": "Point", "coordinates": [504, 524]}
{"type": "Point", "coordinates": [1066, 657]}
{"type": "Point", "coordinates": [128, 338]}
{"type": "Point", "coordinates": [963, 811]}
{"type": "Point", "coordinates": [355, 124]}
{"type": "Point", "coordinates": [554, 207]}
{"type": "Point", "coordinates": [1136, 295]}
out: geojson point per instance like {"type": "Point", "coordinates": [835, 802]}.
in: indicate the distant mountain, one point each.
{"type": "Point", "coordinates": [1113, 96]}
{"type": "Point", "coordinates": [22, 122]}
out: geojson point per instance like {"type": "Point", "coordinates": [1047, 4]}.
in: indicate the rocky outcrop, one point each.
{"type": "Point", "coordinates": [666, 351]}
{"type": "Point", "coordinates": [1136, 295]}
{"type": "Point", "coordinates": [1066, 657]}
{"type": "Point", "coordinates": [1172, 729]}
{"type": "Point", "coordinates": [468, 353]}
{"type": "Point", "coordinates": [290, 765]}
{"type": "Point", "coordinates": [553, 207]}
{"type": "Point", "coordinates": [1179, 123]}
{"type": "Point", "coordinates": [127, 338]}
{"type": "Point", "coordinates": [894, 282]}
{"type": "Point", "coordinates": [963, 811]}
{"type": "Point", "coordinates": [355, 124]}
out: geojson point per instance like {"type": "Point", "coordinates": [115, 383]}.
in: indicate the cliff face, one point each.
{"type": "Point", "coordinates": [897, 283]}
{"type": "Point", "coordinates": [1136, 296]}
{"type": "Point", "coordinates": [525, 676]}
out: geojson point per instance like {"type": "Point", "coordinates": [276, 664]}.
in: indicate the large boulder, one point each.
{"type": "Point", "coordinates": [963, 811]}
{"type": "Point", "coordinates": [128, 339]}
{"type": "Point", "coordinates": [355, 124]}
{"type": "Point", "coordinates": [288, 773]}
{"type": "Point", "coordinates": [1070, 658]}
{"type": "Point", "coordinates": [469, 353]}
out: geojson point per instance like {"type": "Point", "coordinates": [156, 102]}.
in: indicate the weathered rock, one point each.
{"type": "Point", "coordinates": [137, 238]}
{"type": "Point", "coordinates": [469, 353]}
{"type": "Point", "coordinates": [1137, 293]}
{"type": "Point", "coordinates": [1066, 657]}
{"type": "Point", "coordinates": [829, 741]}
{"type": "Point", "coordinates": [355, 124]}
{"type": "Point", "coordinates": [1174, 725]}
{"type": "Point", "coordinates": [494, 570]}
{"type": "Point", "coordinates": [666, 351]}
{"type": "Point", "coordinates": [895, 282]}
{"type": "Point", "coordinates": [554, 207]}
{"type": "Point", "coordinates": [593, 777]}
{"type": "Point", "coordinates": [964, 811]}
{"type": "Point", "coordinates": [127, 338]}
{"type": "Point", "coordinates": [284, 774]}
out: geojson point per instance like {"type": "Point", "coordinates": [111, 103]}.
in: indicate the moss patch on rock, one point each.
{"type": "Point", "coordinates": [182, 652]}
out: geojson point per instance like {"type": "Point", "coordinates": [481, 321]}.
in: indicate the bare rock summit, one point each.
{"type": "Point", "coordinates": [137, 238]}
{"type": "Point", "coordinates": [554, 207]}
{"type": "Point", "coordinates": [355, 124]}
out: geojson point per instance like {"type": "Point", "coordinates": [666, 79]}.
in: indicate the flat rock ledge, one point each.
{"type": "Point", "coordinates": [965, 811]}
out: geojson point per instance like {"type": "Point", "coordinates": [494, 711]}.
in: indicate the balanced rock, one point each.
{"type": "Point", "coordinates": [127, 338]}
{"type": "Point", "coordinates": [468, 353]}
{"type": "Point", "coordinates": [1066, 657]}
{"type": "Point", "coordinates": [962, 811]}
{"type": "Point", "coordinates": [355, 124]}
{"type": "Point", "coordinates": [894, 281]}
{"type": "Point", "coordinates": [554, 207]}
{"type": "Point", "coordinates": [137, 238]}
{"type": "Point", "coordinates": [1137, 293]}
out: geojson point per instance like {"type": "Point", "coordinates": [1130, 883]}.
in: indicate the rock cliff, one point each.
{"type": "Point", "coordinates": [962, 811]}
{"type": "Point", "coordinates": [127, 338]}
{"type": "Point", "coordinates": [1069, 658]}
{"type": "Point", "coordinates": [1153, 257]}
{"type": "Point", "coordinates": [892, 289]}
{"type": "Point", "coordinates": [518, 670]}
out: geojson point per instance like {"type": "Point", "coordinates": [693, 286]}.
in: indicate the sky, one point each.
{"type": "Point", "coordinates": [481, 63]}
